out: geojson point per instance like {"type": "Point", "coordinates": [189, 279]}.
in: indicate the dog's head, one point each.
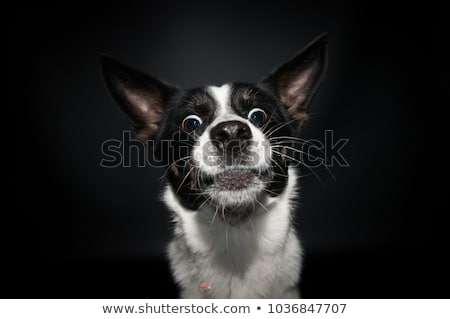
{"type": "Point", "coordinates": [227, 146]}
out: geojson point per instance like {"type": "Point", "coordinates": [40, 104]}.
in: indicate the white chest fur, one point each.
{"type": "Point", "coordinates": [260, 258]}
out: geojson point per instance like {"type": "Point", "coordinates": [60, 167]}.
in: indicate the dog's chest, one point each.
{"type": "Point", "coordinates": [236, 269]}
{"type": "Point", "coordinates": [260, 258]}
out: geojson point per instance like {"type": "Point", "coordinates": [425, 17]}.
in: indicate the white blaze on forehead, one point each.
{"type": "Point", "coordinates": [223, 112]}
{"type": "Point", "coordinates": [222, 96]}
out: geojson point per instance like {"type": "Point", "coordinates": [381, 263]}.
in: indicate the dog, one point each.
{"type": "Point", "coordinates": [231, 182]}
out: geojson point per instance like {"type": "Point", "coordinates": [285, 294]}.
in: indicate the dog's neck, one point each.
{"type": "Point", "coordinates": [235, 245]}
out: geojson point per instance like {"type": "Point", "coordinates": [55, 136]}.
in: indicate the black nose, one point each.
{"type": "Point", "coordinates": [230, 134]}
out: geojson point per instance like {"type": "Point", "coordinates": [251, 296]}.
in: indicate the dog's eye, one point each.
{"type": "Point", "coordinates": [191, 123]}
{"type": "Point", "coordinates": [257, 116]}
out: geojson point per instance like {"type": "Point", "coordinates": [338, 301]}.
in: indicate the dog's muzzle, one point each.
{"type": "Point", "coordinates": [232, 168]}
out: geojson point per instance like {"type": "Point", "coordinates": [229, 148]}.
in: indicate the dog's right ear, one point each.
{"type": "Point", "coordinates": [139, 95]}
{"type": "Point", "coordinates": [296, 81]}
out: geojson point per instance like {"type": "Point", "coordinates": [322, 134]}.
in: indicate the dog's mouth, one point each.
{"type": "Point", "coordinates": [235, 179]}
{"type": "Point", "coordinates": [235, 191]}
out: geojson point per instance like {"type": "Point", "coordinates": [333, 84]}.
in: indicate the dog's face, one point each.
{"type": "Point", "coordinates": [228, 146]}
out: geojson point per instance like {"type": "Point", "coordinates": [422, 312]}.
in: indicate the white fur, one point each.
{"type": "Point", "coordinates": [222, 97]}
{"type": "Point", "coordinates": [259, 258]}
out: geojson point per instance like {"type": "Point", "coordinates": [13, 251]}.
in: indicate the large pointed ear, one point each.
{"type": "Point", "coordinates": [296, 81]}
{"type": "Point", "coordinates": [139, 95]}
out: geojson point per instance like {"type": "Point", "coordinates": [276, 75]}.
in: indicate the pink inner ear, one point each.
{"type": "Point", "coordinates": [148, 108]}
{"type": "Point", "coordinates": [140, 103]}
{"type": "Point", "coordinates": [294, 87]}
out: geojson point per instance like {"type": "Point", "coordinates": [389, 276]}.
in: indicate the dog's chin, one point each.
{"type": "Point", "coordinates": [236, 192]}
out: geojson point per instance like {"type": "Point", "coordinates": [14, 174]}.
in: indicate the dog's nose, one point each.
{"type": "Point", "coordinates": [230, 134]}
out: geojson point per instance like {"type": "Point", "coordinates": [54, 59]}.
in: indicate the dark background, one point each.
{"type": "Point", "coordinates": [80, 230]}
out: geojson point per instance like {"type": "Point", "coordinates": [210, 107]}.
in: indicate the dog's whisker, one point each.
{"type": "Point", "coordinates": [321, 160]}
{"type": "Point", "coordinates": [184, 179]}
{"type": "Point", "coordinates": [261, 204]}
{"type": "Point", "coordinates": [276, 129]}
{"type": "Point", "coordinates": [301, 163]}
{"type": "Point", "coordinates": [300, 152]}
{"type": "Point", "coordinates": [278, 164]}
{"type": "Point", "coordinates": [295, 140]}
{"type": "Point", "coordinates": [279, 174]}
{"type": "Point", "coordinates": [263, 128]}
{"type": "Point", "coordinates": [183, 143]}
{"type": "Point", "coordinates": [270, 192]}
{"type": "Point", "coordinates": [176, 163]}
{"type": "Point", "coordinates": [214, 217]}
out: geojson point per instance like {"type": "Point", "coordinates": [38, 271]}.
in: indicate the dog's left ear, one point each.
{"type": "Point", "coordinates": [141, 96]}
{"type": "Point", "coordinates": [296, 81]}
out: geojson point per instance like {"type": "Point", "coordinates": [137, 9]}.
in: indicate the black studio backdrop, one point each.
{"type": "Point", "coordinates": [377, 231]}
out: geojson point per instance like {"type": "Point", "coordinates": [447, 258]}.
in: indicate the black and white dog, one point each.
{"type": "Point", "coordinates": [231, 182]}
